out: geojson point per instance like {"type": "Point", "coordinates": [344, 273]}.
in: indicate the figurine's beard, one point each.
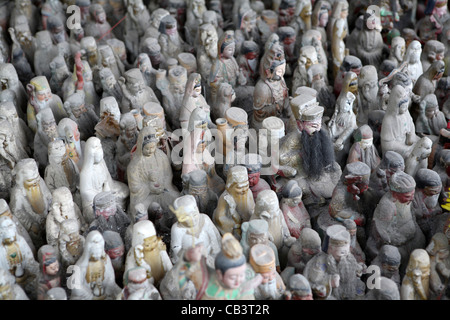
{"type": "Point", "coordinates": [269, 289]}
{"type": "Point", "coordinates": [431, 201]}
{"type": "Point", "coordinates": [40, 105]}
{"type": "Point", "coordinates": [317, 153]}
{"type": "Point", "coordinates": [36, 198]}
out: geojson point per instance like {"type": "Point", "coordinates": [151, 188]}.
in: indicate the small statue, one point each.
{"type": "Point", "coordinates": [370, 41]}
{"type": "Point", "coordinates": [427, 81]}
{"type": "Point", "coordinates": [232, 279]}
{"type": "Point", "coordinates": [355, 247]}
{"type": "Point", "coordinates": [135, 92]}
{"type": "Point", "coordinates": [115, 249]}
{"type": "Point", "coordinates": [367, 94]}
{"type": "Point", "coordinates": [10, 290]}
{"type": "Point", "coordinates": [49, 275]}
{"type": "Point", "coordinates": [398, 130]}
{"type": "Point", "coordinates": [432, 50]}
{"type": "Point", "coordinates": [148, 251]}
{"type": "Point", "coordinates": [153, 49]}
{"type": "Point", "coordinates": [388, 260]}
{"type": "Point", "coordinates": [246, 29]}
{"type": "Point", "coordinates": [70, 243]}
{"type": "Point", "coordinates": [393, 222]}
{"type": "Point", "coordinates": [9, 79]}
{"type": "Point", "coordinates": [63, 208]}
{"type": "Point", "coordinates": [136, 23]}
{"type": "Point", "coordinates": [307, 58]}
{"type": "Point", "coordinates": [108, 59]}
{"type": "Point", "coordinates": [253, 163]}
{"type": "Point", "coordinates": [363, 149]}
{"type": "Point", "coordinates": [96, 272]}
{"type": "Point", "coordinates": [125, 143]}
{"type": "Point", "coordinates": [17, 258]}
{"type": "Point", "coordinates": [412, 57]}
{"type": "Point", "coordinates": [248, 61]}
{"type": "Point", "coordinates": [299, 288]}
{"type": "Point", "coordinates": [98, 26]}
{"type": "Point", "coordinates": [41, 97]}
{"type": "Point", "coordinates": [108, 215]}
{"type": "Point", "coordinates": [418, 158]}
{"type": "Point", "coordinates": [416, 283]}
{"type": "Point", "coordinates": [387, 291]}
{"type": "Point", "coordinates": [60, 72]}
{"type": "Point", "coordinates": [262, 259]}
{"type": "Point", "coordinates": [295, 214]}
{"type": "Point", "coordinates": [45, 133]}
{"type": "Point", "coordinates": [425, 206]}
{"type": "Point", "coordinates": [95, 178]}
{"type": "Point", "coordinates": [286, 10]}
{"type": "Point", "coordinates": [30, 199]}
{"type": "Point", "coordinates": [169, 38]}
{"type": "Point", "coordinates": [82, 113]}
{"type": "Point", "coordinates": [337, 30]}
{"type": "Point", "coordinates": [69, 133]}
{"type": "Point", "coordinates": [397, 52]}
{"type": "Point", "coordinates": [138, 287]}
{"type": "Point", "coordinates": [25, 38]}
{"type": "Point", "coordinates": [307, 245]}
{"type": "Point", "coordinates": [44, 54]}
{"type": "Point", "coordinates": [195, 183]}
{"type": "Point", "coordinates": [349, 64]}
{"type": "Point", "coordinates": [109, 84]}
{"type": "Point", "coordinates": [438, 249]}
{"type": "Point", "coordinates": [192, 228]}
{"type": "Point", "coordinates": [236, 203]}
{"type": "Point", "coordinates": [150, 174]}
{"type": "Point", "coordinates": [207, 50]}
{"type": "Point", "coordinates": [194, 19]}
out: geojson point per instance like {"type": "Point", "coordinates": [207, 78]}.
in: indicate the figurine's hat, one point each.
{"type": "Point", "coordinates": [338, 235]}
{"type": "Point", "coordinates": [226, 39]}
{"type": "Point", "coordinates": [40, 83]}
{"type": "Point", "coordinates": [363, 132]}
{"type": "Point", "coordinates": [141, 231]}
{"type": "Point", "coordinates": [306, 108]}
{"type": "Point", "coordinates": [258, 226]}
{"type": "Point", "coordinates": [178, 75]}
{"type": "Point", "coordinates": [104, 199]}
{"type": "Point", "coordinates": [188, 61]}
{"type": "Point", "coordinates": [275, 126]}
{"type": "Point", "coordinates": [402, 182]}
{"type": "Point", "coordinates": [299, 284]}
{"type": "Point", "coordinates": [236, 116]}
{"type": "Point", "coordinates": [262, 258]}
{"type": "Point", "coordinates": [197, 178]}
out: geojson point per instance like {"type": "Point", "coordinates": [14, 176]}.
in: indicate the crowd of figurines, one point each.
{"type": "Point", "coordinates": [349, 198]}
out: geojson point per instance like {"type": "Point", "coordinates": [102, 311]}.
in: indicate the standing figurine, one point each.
{"type": "Point", "coordinates": [370, 41]}
{"type": "Point", "coordinates": [295, 214]}
{"type": "Point", "coordinates": [49, 275]}
{"type": "Point", "coordinates": [388, 260]}
{"type": "Point", "coordinates": [125, 143]}
{"type": "Point", "coordinates": [438, 249]}
{"type": "Point", "coordinates": [363, 149]}
{"type": "Point", "coordinates": [416, 283]}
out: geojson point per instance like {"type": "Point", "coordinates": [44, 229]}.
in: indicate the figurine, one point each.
{"type": "Point", "coordinates": [96, 273]}
{"type": "Point", "coordinates": [17, 258]}
{"type": "Point", "coordinates": [68, 131]}
{"type": "Point", "coordinates": [412, 57]}
{"type": "Point", "coordinates": [397, 52]}
{"type": "Point", "coordinates": [432, 50]}
{"type": "Point", "coordinates": [207, 49]}
{"type": "Point", "coordinates": [115, 249]}
{"type": "Point", "coordinates": [270, 97]}
{"type": "Point", "coordinates": [307, 245]}
{"type": "Point", "coordinates": [398, 130]}
{"type": "Point", "coordinates": [355, 247]}
{"type": "Point", "coordinates": [60, 72]}
{"type": "Point", "coordinates": [10, 80]}
{"type": "Point", "coordinates": [136, 23]}
{"type": "Point", "coordinates": [148, 251]}
{"type": "Point", "coordinates": [108, 215]}
{"type": "Point", "coordinates": [307, 58]}
{"type": "Point", "coordinates": [236, 203]}
{"type": "Point", "coordinates": [337, 30]}
{"type": "Point", "coordinates": [95, 178]}
{"type": "Point", "coordinates": [135, 92]}
{"type": "Point", "coordinates": [418, 158]}
{"type": "Point", "coordinates": [138, 287]}
{"type": "Point", "coordinates": [232, 278]}
{"type": "Point", "coordinates": [30, 199]}
{"type": "Point", "coordinates": [224, 99]}
{"type": "Point", "coordinates": [438, 250]}
{"type": "Point", "coordinates": [295, 214]}
{"type": "Point", "coordinates": [262, 260]}
{"type": "Point", "coordinates": [393, 222]}
{"type": "Point", "coordinates": [425, 206]}
{"type": "Point", "coordinates": [153, 49]}
{"type": "Point", "coordinates": [225, 68]}
{"type": "Point", "coordinates": [248, 61]}
{"type": "Point", "coordinates": [370, 41]}
{"type": "Point", "coordinates": [388, 260]}
{"type": "Point", "coordinates": [387, 291]}
{"type": "Point", "coordinates": [9, 289]}
{"type": "Point", "coordinates": [70, 243]}
{"type": "Point", "coordinates": [63, 208]}
{"type": "Point", "coordinates": [426, 83]}
{"type": "Point", "coordinates": [246, 28]}
{"type": "Point", "coordinates": [349, 64]}
{"type": "Point", "coordinates": [192, 228]}
{"type": "Point", "coordinates": [286, 10]}
{"type": "Point", "coordinates": [299, 288]}
{"type": "Point", "coordinates": [41, 97]}
{"type": "Point", "coordinates": [109, 84]}
{"type": "Point", "coordinates": [416, 283]}
{"type": "Point", "coordinates": [367, 94]}
{"type": "Point", "coordinates": [44, 54]}
{"type": "Point", "coordinates": [125, 143]}
{"type": "Point", "coordinates": [108, 59]}
{"type": "Point", "coordinates": [49, 275]}
{"type": "Point", "coordinates": [194, 19]}
{"type": "Point", "coordinates": [363, 149]}
{"type": "Point", "coordinates": [82, 113]}
{"type": "Point", "coordinates": [169, 38]}
{"type": "Point", "coordinates": [46, 132]}
{"type": "Point", "coordinates": [97, 26]}
{"type": "Point", "coordinates": [24, 37]}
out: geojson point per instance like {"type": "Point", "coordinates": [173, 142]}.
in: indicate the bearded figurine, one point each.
{"type": "Point", "coordinates": [98, 26]}
{"type": "Point", "coordinates": [144, 64]}
{"type": "Point", "coordinates": [109, 84]}
{"type": "Point", "coordinates": [125, 143]}
{"type": "Point", "coordinates": [412, 57]}
{"type": "Point", "coordinates": [363, 149]}
{"type": "Point", "coordinates": [108, 59]}
{"type": "Point", "coordinates": [307, 154]}
{"type": "Point", "coordinates": [430, 120]}
{"type": "Point", "coordinates": [41, 97]}
{"type": "Point", "coordinates": [225, 68]}
{"type": "Point", "coordinates": [367, 94]}
{"type": "Point", "coordinates": [416, 283]}
{"type": "Point", "coordinates": [148, 251]}
{"type": "Point", "coordinates": [207, 50]}
{"type": "Point", "coordinates": [63, 208]}
{"type": "Point", "coordinates": [169, 39]}
{"type": "Point", "coordinates": [137, 21]}
{"type": "Point", "coordinates": [82, 113]}
{"type": "Point", "coordinates": [61, 170]}
{"type": "Point", "coordinates": [24, 37]}
{"type": "Point", "coordinates": [397, 52]}
{"type": "Point", "coordinates": [270, 97]}
{"type": "Point", "coordinates": [418, 158]}
{"type": "Point", "coordinates": [17, 258]}
{"type": "Point", "coordinates": [393, 222]}
{"type": "Point", "coordinates": [68, 131]}
{"type": "Point", "coordinates": [9, 79]}
{"type": "Point", "coordinates": [46, 132]}
{"type": "Point", "coordinates": [236, 203]}
{"type": "Point", "coordinates": [30, 199]}
{"type": "Point", "coordinates": [172, 88]}
{"type": "Point", "coordinates": [150, 174]}
{"type": "Point", "coordinates": [194, 19]}
{"type": "Point", "coordinates": [60, 72]}
{"type": "Point", "coordinates": [342, 125]}
{"type": "Point", "coordinates": [306, 59]}
{"type": "Point", "coordinates": [11, 153]}
{"type": "Point", "coordinates": [425, 206]}
{"type": "Point", "coordinates": [192, 228]}
{"type": "Point", "coordinates": [262, 259]}
{"type": "Point", "coordinates": [135, 92]}
{"type": "Point", "coordinates": [70, 243]}
{"type": "Point", "coordinates": [96, 272]}
{"type": "Point", "coordinates": [95, 178]}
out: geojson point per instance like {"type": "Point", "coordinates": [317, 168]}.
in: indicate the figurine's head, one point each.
{"type": "Point", "coordinates": [248, 19]}
{"type": "Point", "coordinates": [148, 141]}
{"type": "Point", "coordinates": [186, 210]}
{"type": "Point", "coordinates": [390, 260]}
{"type": "Point", "coordinates": [104, 204]}
{"type": "Point", "coordinates": [27, 175]}
{"type": "Point", "coordinates": [39, 90]}
{"type": "Point", "coordinates": [433, 50]}
{"type": "Point", "coordinates": [372, 18]}
{"type": "Point", "coordinates": [63, 207]}
{"type": "Point", "coordinates": [337, 242]}
{"type": "Point", "coordinates": [308, 57]}
{"type": "Point", "coordinates": [262, 259]}
{"type": "Point", "coordinates": [307, 113]}
{"type": "Point", "coordinates": [177, 77]}
{"type": "Point", "coordinates": [274, 64]}
{"type": "Point", "coordinates": [110, 108]}
{"type": "Point", "coordinates": [356, 177]}
{"type": "Point", "coordinates": [364, 135]}
{"type": "Point", "coordinates": [44, 39]}
{"type": "Point", "coordinates": [106, 55]}
{"type": "Point", "coordinates": [144, 63]}
{"type": "Point", "coordinates": [303, 9]}
{"type": "Point", "coordinates": [46, 123]}
{"type": "Point", "coordinates": [368, 82]}
{"type": "Point", "coordinates": [320, 14]}
{"type": "Point", "coordinates": [429, 182]}
{"type": "Point", "coordinates": [68, 130]}
{"type": "Point", "coordinates": [56, 28]}
{"type": "Point", "coordinates": [93, 151]}
{"type": "Point", "coordinates": [114, 245]}
{"type": "Point", "coordinates": [253, 163]}
{"type": "Point", "coordinates": [134, 81]}
{"type": "Point", "coordinates": [230, 263]}
{"type": "Point", "coordinates": [7, 230]}
{"type": "Point", "coordinates": [257, 231]}
{"type": "Point", "coordinates": [144, 234]}
{"type": "Point", "coordinates": [310, 242]}
{"type": "Point", "coordinates": [168, 25]}
{"type": "Point", "coordinates": [439, 246]}
{"type": "Point", "coordinates": [398, 100]}
{"type": "Point", "coordinates": [94, 246]}
{"type": "Point", "coordinates": [48, 260]}
{"type": "Point", "coordinates": [402, 187]}
{"type": "Point", "coordinates": [286, 12]}
{"type": "Point", "coordinates": [300, 287]}
{"type": "Point", "coordinates": [59, 67]}
{"type": "Point", "coordinates": [267, 205]}
{"type": "Point", "coordinates": [107, 78]}
{"type": "Point", "coordinates": [270, 17]}
{"type": "Point", "coordinates": [56, 151]}
{"type": "Point", "coordinates": [209, 39]}
{"type": "Point", "coordinates": [128, 127]}
{"type": "Point", "coordinates": [74, 104]}
{"type": "Point", "coordinates": [398, 48]}
{"type": "Point", "coordinates": [418, 265]}
{"type": "Point", "coordinates": [97, 13]}
{"type": "Point", "coordinates": [292, 193]}
{"type": "Point", "coordinates": [153, 49]}
{"type": "Point", "coordinates": [237, 181]}
{"type": "Point", "coordinates": [413, 52]}
{"type": "Point", "coordinates": [157, 15]}
{"type": "Point", "coordinates": [392, 163]}
{"type": "Point", "coordinates": [226, 45]}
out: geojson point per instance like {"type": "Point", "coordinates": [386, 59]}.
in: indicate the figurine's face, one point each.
{"type": "Point", "coordinates": [49, 127]}
{"type": "Point", "coordinates": [106, 212]}
{"type": "Point", "coordinates": [253, 178]}
{"type": "Point", "coordinates": [399, 51]}
{"type": "Point", "coordinates": [52, 269]}
{"type": "Point", "coordinates": [296, 200]}
{"type": "Point", "coordinates": [256, 238]}
{"type": "Point", "coordinates": [149, 149]}
{"type": "Point", "coordinates": [339, 251]}
{"type": "Point", "coordinates": [268, 276]}
{"type": "Point", "coordinates": [370, 90]}
{"type": "Point", "coordinates": [97, 249]}
{"type": "Point", "coordinates": [403, 106]}
{"type": "Point", "coordinates": [100, 16]}
{"type": "Point", "coordinates": [31, 179]}
{"type": "Point", "coordinates": [109, 82]}
{"type": "Point", "coordinates": [115, 253]}
{"type": "Point", "coordinates": [404, 197]}
{"type": "Point", "coordinates": [344, 12]}
{"type": "Point", "coordinates": [97, 151]}
{"type": "Point", "coordinates": [59, 34]}
{"type": "Point", "coordinates": [150, 243]}
{"type": "Point", "coordinates": [77, 111]}
{"type": "Point", "coordinates": [44, 95]}
{"type": "Point", "coordinates": [7, 231]}
{"type": "Point", "coordinates": [135, 86]}
{"type": "Point", "coordinates": [306, 13]}
{"type": "Point", "coordinates": [278, 72]}
{"type": "Point", "coordinates": [197, 92]}
{"type": "Point", "coordinates": [323, 18]}
{"type": "Point", "coordinates": [310, 127]}
{"type": "Point", "coordinates": [241, 188]}
{"type": "Point", "coordinates": [233, 278]}
{"type": "Point", "coordinates": [131, 131]}
{"type": "Point", "coordinates": [228, 52]}
{"type": "Point", "coordinates": [63, 207]}
{"type": "Point", "coordinates": [366, 143]}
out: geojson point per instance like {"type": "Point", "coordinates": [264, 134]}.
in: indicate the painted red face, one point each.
{"type": "Point", "coordinates": [253, 178]}
{"type": "Point", "coordinates": [116, 252]}
{"type": "Point", "coordinates": [405, 197]}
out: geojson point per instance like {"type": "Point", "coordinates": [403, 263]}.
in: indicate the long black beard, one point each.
{"type": "Point", "coordinates": [317, 153]}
